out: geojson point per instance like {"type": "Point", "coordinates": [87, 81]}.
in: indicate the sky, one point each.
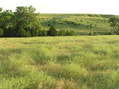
{"type": "Point", "coordinates": [66, 6]}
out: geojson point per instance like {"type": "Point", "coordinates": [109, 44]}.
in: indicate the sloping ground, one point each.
{"type": "Point", "coordinates": [81, 62]}
{"type": "Point", "coordinates": [77, 22]}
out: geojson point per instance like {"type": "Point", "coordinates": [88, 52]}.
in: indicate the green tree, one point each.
{"type": "Point", "coordinates": [52, 31]}
{"type": "Point", "coordinates": [26, 18]}
{"type": "Point", "coordinates": [6, 22]}
{"type": "Point", "coordinates": [114, 23]}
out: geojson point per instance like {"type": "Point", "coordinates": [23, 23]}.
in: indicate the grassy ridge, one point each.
{"type": "Point", "coordinates": [77, 22]}
{"type": "Point", "coordinates": [59, 62]}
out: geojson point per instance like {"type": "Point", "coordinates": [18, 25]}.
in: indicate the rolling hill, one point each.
{"type": "Point", "coordinates": [77, 22]}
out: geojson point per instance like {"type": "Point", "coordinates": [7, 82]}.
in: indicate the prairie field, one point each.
{"type": "Point", "coordinates": [78, 22]}
{"type": "Point", "coordinates": [74, 62]}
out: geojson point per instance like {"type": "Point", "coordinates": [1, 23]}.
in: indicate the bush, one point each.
{"type": "Point", "coordinates": [66, 33]}
{"type": "Point", "coordinates": [52, 31]}
{"type": "Point", "coordinates": [69, 33]}
{"type": "Point", "coordinates": [103, 33]}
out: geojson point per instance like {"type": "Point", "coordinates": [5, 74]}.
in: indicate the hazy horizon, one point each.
{"type": "Point", "coordinates": [66, 6]}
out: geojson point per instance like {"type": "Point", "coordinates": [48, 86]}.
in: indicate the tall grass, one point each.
{"type": "Point", "coordinates": [84, 62]}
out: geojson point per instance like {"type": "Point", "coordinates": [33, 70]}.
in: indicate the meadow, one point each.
{"type": "Point", "coordinates": [77, 22]}
{"type": "Point", "coordinates": [70, 62]}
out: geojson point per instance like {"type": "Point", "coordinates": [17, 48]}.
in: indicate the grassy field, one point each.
{"type": "Point", "coordinates": [77, 22]}
{"type": "Point", "coordinates": [82, 62]}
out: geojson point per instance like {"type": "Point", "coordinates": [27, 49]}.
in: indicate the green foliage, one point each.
{"type": "Point", "coordinates": [52, 31]}
{"type": "Point", "coordinates": [26, 21]}
{"type": "Point", "coordinates": [42, 32]}
{"type": "Point", "coordinates": [79, 23]}
{"type": "Point", "coordinates": [114, 22]}
{"type": "Point", "coordinates": [70, 33]}
{"type": "Point", "coordinates": [1, 32]}
{"type": "Point", "coordinates": [0, 10]}
{"type": "Point", "coordinates": [26, 18]}
{"type": "Point", "coordinates": [23, 22]}
{"type": "Point", "coordinates": [5, 22]}
{"type": "Point", "coordinates": [61, 33]}
{"type": "Point", "coordinates": [65, 33]}
{"type": "Point", "coordinates": [22, 33]}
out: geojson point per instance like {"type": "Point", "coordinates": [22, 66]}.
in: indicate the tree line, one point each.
{"type": "Point", "coordinates": [24, 22]}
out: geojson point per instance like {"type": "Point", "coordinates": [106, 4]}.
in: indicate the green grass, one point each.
{"type": "Point", "coordinates": [77, 22]}
{"type": "Point", "coordinates": [77, 62]}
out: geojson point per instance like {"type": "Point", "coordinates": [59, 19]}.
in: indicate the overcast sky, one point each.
{"type": "Point", "coordinates": [66, 6]}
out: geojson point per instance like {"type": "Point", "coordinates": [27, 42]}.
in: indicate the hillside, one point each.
{"type": "Point", "coordinates": [82, 62]}
{"type": "Point", "coordinates": [77, 22]}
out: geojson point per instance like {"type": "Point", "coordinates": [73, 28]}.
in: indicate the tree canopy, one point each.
{"type": "Point", "coordinates": [24, 22]}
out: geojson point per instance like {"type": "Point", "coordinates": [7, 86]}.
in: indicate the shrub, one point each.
{"type": "Point", "coordinates": [69, 33]}
{"type": "Point", "coordinates": [52, 31]}
{"type": "Point", "coordinates": [66, 33]}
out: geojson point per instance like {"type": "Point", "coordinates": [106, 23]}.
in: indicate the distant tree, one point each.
{"type": "Point", "coordinates": [52, 31]}
{"type": "Point", "coordinates": [114, 23]}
